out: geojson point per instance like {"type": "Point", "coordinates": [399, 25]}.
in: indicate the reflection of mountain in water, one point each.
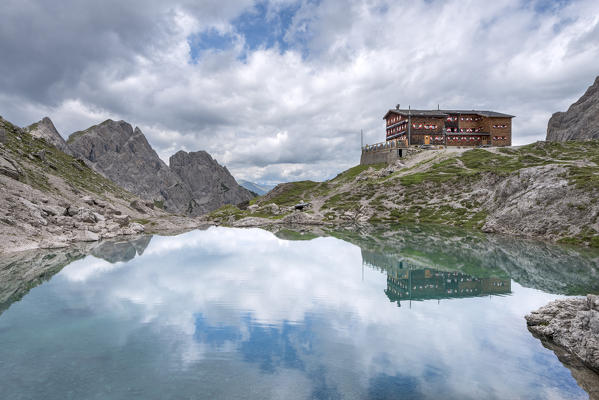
{"type": "Point", "coordinates": [121, 251]}
{"type": "Point", "coordinates": [22, 271]}
{"type": "Point", "coordinates": [404, 283]}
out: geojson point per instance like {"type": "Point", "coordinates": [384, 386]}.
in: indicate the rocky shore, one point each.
{"type": "Point", "coordinates": [570, 327]}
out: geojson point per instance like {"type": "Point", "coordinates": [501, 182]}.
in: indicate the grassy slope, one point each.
{"type": "Point", "coordinates": [24, 148]}
{"type": "Point", "coordinates": [436, 191]}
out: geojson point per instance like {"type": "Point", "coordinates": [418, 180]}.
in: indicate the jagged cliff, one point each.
{"type": "Point", "coordinates": [210, 184]}
{"type": "Point", "coordinates": [580, 122]}
{"type": "Point", "coordinates": [193, 184]}
{"type": "Point", "coordinates": [123, 155]}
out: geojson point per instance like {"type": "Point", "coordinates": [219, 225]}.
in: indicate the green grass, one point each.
{"type": "Point", "coordinates": [294, 193]}
{"type": "Point", "coordinates": [478, 161]}
{"type": "Point", "coordinates": [351, 173]}
{"type": "Point", "coordinates": [588, 237]}
{"type": "Point", "coordinates": [585, 178]}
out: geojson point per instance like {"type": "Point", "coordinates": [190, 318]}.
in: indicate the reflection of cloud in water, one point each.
{"type": "Point", "coordinates": [299, 315]}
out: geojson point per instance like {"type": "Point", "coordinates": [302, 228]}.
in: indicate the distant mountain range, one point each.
{"type": "Point", "coordinates": [258, 188]}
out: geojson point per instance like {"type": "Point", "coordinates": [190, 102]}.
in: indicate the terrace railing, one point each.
{"type": "Point", "coordinates": [388, 145]}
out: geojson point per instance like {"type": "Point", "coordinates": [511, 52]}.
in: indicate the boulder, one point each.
{"type": "Point", "coordinates": [9, 169]}
{"type": "Point", "coordinates": [133, 229]}
{"type": "Point", "coordinates": [41, 155]}
{"type": "Point", "coordinates": [122, 220]}
{"type": "Point", "coordinates": [53, 210]}
{"type": "Point", "coordinates": [71, 211]}
{"type": "Point", "coordinates": [88, 200]}
{"type": "Point", "coordinates": [99, 217]}
{"type": "Point", "coordinates": [86, 236]}
{"type": "Point", "coordinates": [580, 122]}
{"type": "Point", "coordinates": [572, 324]}
{"type": "Point", "coordinates": [85, 215]}
{"type": "Point", "coordinates": [136, 205]}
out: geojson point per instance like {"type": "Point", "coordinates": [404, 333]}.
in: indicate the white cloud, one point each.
{"type": "Point", "coordinates": [296, 109]}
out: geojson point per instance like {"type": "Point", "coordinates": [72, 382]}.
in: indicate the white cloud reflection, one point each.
{"type": "Point", "coordinates": [208, 294]}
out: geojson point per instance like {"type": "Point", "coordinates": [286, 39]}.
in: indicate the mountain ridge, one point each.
{"type": "Point", "coordinates": [580, 122]}
{"type": "Point", "coordinates": [123, 154]}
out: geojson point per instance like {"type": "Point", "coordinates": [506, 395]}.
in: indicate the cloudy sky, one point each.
{"type": "Point", "coordinates": [279, 90]}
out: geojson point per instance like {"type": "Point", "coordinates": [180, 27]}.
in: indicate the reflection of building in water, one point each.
{"type": "Point", "coordinates": [422, 284]}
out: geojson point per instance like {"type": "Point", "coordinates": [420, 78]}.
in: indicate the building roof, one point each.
{"type": "Point", "coordinates": [445, 113]}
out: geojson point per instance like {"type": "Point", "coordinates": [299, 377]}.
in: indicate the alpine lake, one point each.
{"type": "Point", "coordinates": [400, 312]}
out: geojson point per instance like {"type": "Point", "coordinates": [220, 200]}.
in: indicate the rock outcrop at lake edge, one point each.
{"type": "Point", "coordinates": [572, 324]}
{"type": "Point", "coordinates": [580, 122]}
{"type": "Point", "coordinates": [193, 184]}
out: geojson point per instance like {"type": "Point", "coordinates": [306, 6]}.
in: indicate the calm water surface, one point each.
{"type": "Point", "coordinates": [247, 314]}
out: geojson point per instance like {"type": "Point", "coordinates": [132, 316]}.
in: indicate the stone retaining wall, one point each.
{"type": "Point", "coordinates": [388, 156]}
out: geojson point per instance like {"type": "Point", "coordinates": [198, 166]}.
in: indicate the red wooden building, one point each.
{"type": "Point", "coordinates": [449, 127]}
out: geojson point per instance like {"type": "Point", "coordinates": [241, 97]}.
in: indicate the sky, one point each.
{"type": "Point", "coordinates": [279, 90]}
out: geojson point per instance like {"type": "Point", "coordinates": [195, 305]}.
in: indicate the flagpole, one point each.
{"type": "Point", "coordinates": [409, 125]}
{"type": "Point", "coordinates": [361, 139]}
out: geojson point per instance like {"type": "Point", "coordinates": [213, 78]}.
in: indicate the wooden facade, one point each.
{"type": "Point", "coordinates": [449, 127]}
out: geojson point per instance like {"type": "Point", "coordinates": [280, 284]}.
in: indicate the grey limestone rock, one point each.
{"type": "Point", "coordinates": [580, 122]}
{"type": "Point", "coordinates": [572, 324]}
{"type": "Point", "coordinates": [46, 130]}
{"type": "Point", "coordinates": [124, 155]}
{"type": "Point", "coordinates": [211, 184]}
{"type": "Point", "coordinates": [193, 185]}
{"type": "Point", "coordinates": [9, 168]}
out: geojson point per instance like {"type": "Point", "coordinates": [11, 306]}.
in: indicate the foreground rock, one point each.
{"type": "Point", "coordinates": [580, 122]}
{"type": "Point", "coordinates": [572, 324]}
{"type": "Point", "coordinates": [193, 184]}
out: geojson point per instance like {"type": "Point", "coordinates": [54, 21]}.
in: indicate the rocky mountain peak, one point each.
{"type": "Point", "coordinates": [194, 184]}
{"type": "Point", "coordinates": [46, 130]}
{"type": "Point", "coordinates": [211, 184]}
{"type": "Point", "coordinates": [580, 122]}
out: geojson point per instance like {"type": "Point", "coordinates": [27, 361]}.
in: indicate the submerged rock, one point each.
{"type": "Point", "coordinates": [572, 324]}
